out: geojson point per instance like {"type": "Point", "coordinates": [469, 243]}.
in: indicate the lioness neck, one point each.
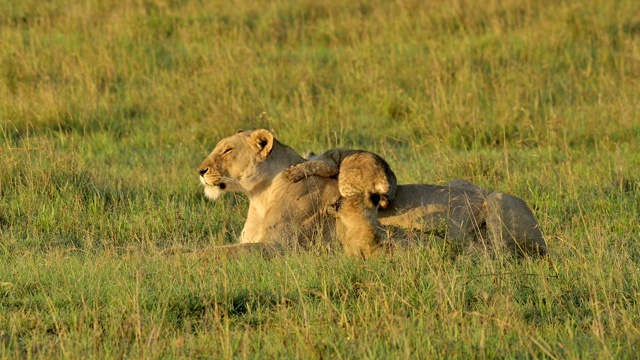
{"type": "Point", "coordinates": [280, 158]}
{"type": "Point", "coordinates": [283, 156]}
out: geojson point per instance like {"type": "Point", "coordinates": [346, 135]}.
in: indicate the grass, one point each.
{"type": "Point", "coordinates": [107, 108]}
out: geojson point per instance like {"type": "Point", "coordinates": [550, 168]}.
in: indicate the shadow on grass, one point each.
{"type": "Point", "coordinates": [194, 309]}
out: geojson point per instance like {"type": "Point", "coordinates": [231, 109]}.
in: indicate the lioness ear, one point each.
{"type": "Point", "coordinates": [262, 141]}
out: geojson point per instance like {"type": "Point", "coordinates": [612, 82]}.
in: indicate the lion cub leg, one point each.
{"type": "Point", "coordinates": [300, 171]}
{"type": "Point", "coordinates": [358, 228]}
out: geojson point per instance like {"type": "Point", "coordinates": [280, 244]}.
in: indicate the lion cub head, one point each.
{"type": "Point", "coordinates": [237, 163]}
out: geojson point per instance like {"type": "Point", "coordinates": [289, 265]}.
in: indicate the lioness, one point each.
{"type": "Point", "coordinates": [358, 171]}
{"type": "Point", "coordinates": [283, 214]}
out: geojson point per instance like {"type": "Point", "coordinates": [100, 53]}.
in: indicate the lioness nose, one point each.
{"type": "Point", "coordinates": [203, 171]}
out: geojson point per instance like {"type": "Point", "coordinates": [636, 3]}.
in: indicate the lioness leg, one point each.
{"type": "Point", "coordinates": [511, 224]}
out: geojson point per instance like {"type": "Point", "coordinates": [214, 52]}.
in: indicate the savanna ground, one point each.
{"type": "Point", "coordinates": [108, 107]}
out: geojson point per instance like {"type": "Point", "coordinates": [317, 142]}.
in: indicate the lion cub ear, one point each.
{"type": "Point", "coordinates": [262, 142]}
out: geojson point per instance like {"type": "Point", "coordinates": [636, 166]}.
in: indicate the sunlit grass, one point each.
{"type": "Point", "coordinates": [107, 108]}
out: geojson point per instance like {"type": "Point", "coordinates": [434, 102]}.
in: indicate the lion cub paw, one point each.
{"type": "Point", "coordinates": [294, 173]}
{"type": "Point", "coordinates": [384, 202]}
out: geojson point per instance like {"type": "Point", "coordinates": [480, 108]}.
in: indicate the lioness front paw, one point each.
{"type": "Point", "coordinates": [294, 173]}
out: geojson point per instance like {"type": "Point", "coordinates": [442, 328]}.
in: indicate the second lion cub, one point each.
{"type": "Point", "coordinates": [358, 171]}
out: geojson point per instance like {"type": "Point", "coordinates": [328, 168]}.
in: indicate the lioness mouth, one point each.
{"type": "Point", "coordinates": [222, 186]}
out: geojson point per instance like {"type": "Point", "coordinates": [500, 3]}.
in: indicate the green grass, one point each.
{"type": "Point", "coordinates": [108, 107]}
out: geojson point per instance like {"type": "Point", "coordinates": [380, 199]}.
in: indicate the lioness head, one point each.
{"type": "Point", "coordinates": [237, 163]}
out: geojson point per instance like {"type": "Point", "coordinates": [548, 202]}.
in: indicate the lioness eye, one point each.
{"type": "Point", "coordinates": [227, 151]}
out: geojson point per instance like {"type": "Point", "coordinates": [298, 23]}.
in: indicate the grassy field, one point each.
{"type": "Point", "coordinates": [108, 107]}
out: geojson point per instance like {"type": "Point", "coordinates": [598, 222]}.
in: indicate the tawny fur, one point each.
{"type": "Point", "coordinates": [283, 215]}
{"type": "Point", "coordinates": [357, 226]}
{"type": "Point", "coordinates": [358, 171]}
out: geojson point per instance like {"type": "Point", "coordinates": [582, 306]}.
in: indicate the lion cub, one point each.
{"type": "Point", "coordinates": [357, 225]}
{"type": "Point", "coordinates": [358, 171]}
